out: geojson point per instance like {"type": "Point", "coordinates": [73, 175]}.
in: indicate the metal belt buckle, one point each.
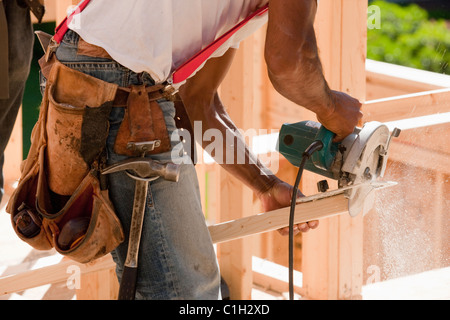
{"type": "Point", "coordinates": [145, 146]}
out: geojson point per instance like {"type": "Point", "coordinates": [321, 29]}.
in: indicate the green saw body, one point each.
{"type": "Point", "coordinates": [296, 137]}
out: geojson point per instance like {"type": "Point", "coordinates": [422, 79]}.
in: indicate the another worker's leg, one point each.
{"type": "Point", "coordinates": [20, 36]}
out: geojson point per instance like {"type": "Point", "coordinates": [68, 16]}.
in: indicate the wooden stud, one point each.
{"type": "Point", "coordinates": [332, 254]}
{"type": "Point", "coordinates": [13, 155]}
{"type": "Point", "coordinates": [100, 285]}
{"type": "Point", "coordinates": [235, 198]}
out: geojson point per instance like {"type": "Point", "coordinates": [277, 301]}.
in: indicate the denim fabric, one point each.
{"type": "Point", "coordinates": [20, 34]}
{"type": "Point", "coordinates": [176, 257]}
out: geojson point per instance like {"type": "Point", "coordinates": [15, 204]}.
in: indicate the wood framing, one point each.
{"type": "Point", "coordinates": [235, 199]}
{"type": "Point", "coordinates": [98, 278]}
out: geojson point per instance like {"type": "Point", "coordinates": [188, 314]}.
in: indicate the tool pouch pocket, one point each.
{"type": "Point", "coordinates": [58, 202]}
{"type": "Point", "coordinates": [26, 221]}
{"type": "Point", "coordinates": [76, 127]}
{"type": "Point", "coordinates": [143, 128]}
{"type": "Point", "coordinates": [84, 229]}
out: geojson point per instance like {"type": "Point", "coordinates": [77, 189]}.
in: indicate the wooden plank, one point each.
{"type": "Point", "coordinates": [380, 85]}
{"type": "Point", "coordinates": [277, 219]}
{"type": "Point", "coordinates": [408, 106]}
{"type": "Point", "coordinates": [406, 77]}
{"type": "Point", "coordinates": [50, 274]}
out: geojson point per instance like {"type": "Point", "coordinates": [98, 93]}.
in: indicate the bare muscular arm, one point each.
{"type": "Point", "coordinates": [295, 70]}
{"type": "Point", "coordinates": [202, 103]}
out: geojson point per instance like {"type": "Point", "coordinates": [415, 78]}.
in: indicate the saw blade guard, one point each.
{"type": "Point", "coordinates": [365, 161]}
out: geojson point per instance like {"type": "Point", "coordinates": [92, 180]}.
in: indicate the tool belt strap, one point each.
{"type": "Point", "coordinates": [155, 92]}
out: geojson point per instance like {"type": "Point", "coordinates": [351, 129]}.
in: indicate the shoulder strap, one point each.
{"type": "Point", "coordinates": [62, 28]}
{"type": "Point", "coordinates": [190, 66]}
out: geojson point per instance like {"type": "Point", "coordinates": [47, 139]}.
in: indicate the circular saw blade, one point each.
{"type": "Point", "coordinates": [366, 161]}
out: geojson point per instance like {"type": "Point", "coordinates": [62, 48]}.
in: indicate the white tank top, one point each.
{"type": "Point", "coordinates": [157, 36]}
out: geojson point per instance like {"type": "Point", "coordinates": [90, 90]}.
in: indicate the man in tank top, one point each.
{"type": "Point", "coordinates": [146, 40]}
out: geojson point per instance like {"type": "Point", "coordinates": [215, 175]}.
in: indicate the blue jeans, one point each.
{"type": "Point", "coordinates": [20, 36]}
{"type": "Point", "coordinates": [176, 255]}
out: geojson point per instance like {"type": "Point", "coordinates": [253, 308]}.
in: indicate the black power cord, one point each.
{"type": "Point", "coordinates": [315, 146]}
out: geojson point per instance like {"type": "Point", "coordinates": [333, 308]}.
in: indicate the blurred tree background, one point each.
{"type": "Point", "coordinates": [411, 35]}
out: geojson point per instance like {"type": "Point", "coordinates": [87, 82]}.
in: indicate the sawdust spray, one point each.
{"type": "Point", "coordinates": [407, 230]}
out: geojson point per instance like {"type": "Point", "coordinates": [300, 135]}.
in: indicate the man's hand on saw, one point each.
{"type": "Point", "coordinates": [344, 115]}
{"type": "Point", "coordinates": [279, 196]}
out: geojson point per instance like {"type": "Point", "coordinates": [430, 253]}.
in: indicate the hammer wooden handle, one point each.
{"type": "Point", "coordinates": [127, 288]}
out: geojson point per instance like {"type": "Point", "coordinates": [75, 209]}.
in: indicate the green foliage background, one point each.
{"type": "Point", "coordinates": [409, 37]}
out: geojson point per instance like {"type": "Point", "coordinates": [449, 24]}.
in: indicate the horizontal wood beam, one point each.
{"type": "Point", "coordinates": [405, 77]}
{"type": "Point", "coordinates": [277, 219]}
{"type": "Point", "coordinates": [59, 272]}
{"type": "Point", "coordinates": [407, 106]}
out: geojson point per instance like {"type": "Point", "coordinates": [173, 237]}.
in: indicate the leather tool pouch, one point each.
{"type": "Point", "coordinates": [59, 202]}
{"type": "Point", "coordinates": [143, 128]}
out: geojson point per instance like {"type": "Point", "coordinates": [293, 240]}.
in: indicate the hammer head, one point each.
{"type": "Point", "coordinates": [146, 168]}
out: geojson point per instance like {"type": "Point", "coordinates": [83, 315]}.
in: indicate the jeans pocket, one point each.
{"type": "Point", "coordinates": [110, 72]}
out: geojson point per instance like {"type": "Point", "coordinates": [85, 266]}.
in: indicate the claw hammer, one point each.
{"type": "Point", "coordinates": [142, 170]}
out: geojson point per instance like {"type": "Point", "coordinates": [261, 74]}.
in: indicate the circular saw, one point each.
{"type": "Point", "coordinates": [356, 163]}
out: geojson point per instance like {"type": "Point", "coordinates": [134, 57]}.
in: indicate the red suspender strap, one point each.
{"type": "Point", "coordinates": [61, 30]}
{"type": "Point", "coordinates": [190, 66]}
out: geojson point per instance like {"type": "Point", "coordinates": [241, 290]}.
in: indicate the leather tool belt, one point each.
{"type": "Point", "coordinates": [60, 200]}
